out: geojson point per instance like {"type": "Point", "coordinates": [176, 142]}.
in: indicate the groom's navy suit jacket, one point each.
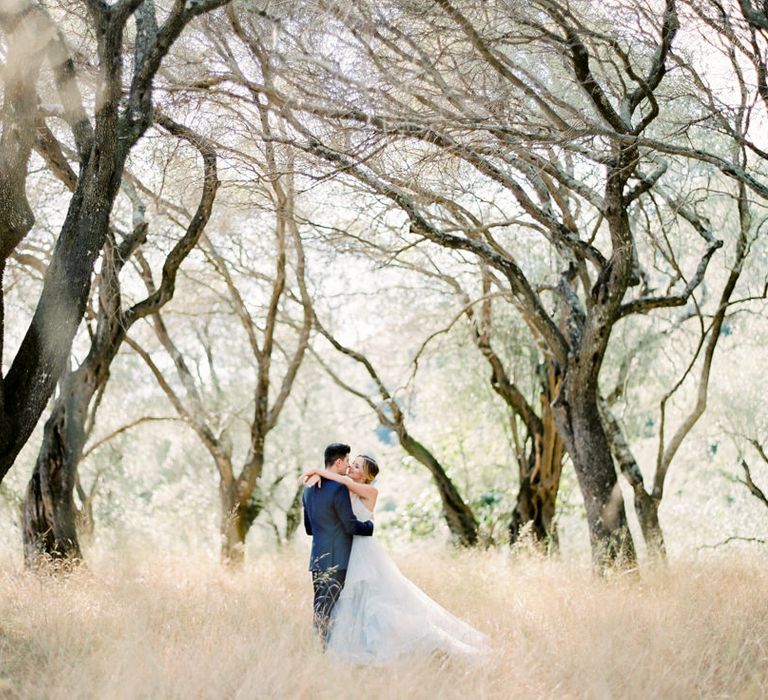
{"type": "Point", "coordinates": [328, 517]}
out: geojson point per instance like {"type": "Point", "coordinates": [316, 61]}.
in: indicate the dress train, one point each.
{"type": "Point", "coordinates": [382, 616]}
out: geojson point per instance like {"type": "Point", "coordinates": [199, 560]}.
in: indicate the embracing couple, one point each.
{"type": "Point", "coordinates": [365, 610]}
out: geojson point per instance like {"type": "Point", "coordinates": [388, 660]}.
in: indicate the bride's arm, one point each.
{"type": "Point", "coordinates": [308, 479]}
{"type": "Point", "coordinates": [365, 491]}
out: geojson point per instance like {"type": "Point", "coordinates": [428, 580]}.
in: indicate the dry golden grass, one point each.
{"type": "Point", "coordinates": [156, 627]}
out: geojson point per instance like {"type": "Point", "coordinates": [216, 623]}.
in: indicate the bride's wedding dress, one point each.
{"type": "Point", "coordinates": [382, 616]}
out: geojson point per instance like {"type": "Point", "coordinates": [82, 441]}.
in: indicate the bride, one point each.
{"type": "Point", "coordinates": [381, 615]}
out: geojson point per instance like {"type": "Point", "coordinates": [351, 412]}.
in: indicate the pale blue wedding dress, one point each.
{"type": "Point", "coordinates": [381, 616]}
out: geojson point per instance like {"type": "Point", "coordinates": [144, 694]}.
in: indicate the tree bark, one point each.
{"type": "Point", "coordinates": [293, 515]}
{"type": "Point", "coordinates": [240, 506]}
{"type": "Point", "coordinates": [647, 510]}
{"type": "Point", "coordinates": [49, 513]}
{"type": "Point", "coordinates": [540, 479]}
{"type": "Point", "coordinates": [539, 473]}
{"type": "Point", "coordinates": [581, 428]}
{"type": "Point", "coordinates": [646, 504]}
{"type": "Point", "coordinates": [233, 530]}
{"type": "Point", "coordinates": [458, 515]}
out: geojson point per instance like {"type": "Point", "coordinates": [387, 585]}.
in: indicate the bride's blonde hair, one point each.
{"type": "Point", "coordinates": [370, 468]}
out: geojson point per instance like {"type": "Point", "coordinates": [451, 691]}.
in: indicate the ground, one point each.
{"type": "Point", "coordinates": [147, 625]}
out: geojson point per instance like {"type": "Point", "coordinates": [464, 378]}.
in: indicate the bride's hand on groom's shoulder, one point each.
{"type": "Point", "coordinates": [310, 477]}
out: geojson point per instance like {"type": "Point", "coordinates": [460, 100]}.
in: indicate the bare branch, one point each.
{"type": "Point", "coordinates": [125, 428]}
{"type": "Point", "coordinates": [752, 486]}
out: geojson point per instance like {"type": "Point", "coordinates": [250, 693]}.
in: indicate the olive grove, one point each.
{"type": "Point", "coordinates": [508, 245]}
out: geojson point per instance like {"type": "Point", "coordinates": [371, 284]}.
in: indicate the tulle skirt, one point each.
{"type": "Point", "coordinates": [381, 616]}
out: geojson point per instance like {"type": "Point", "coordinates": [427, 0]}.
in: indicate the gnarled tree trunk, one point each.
{"type": "Point", "coordinates": [581, 428]}
{"type": "Point", "coordinates": [646, 504]}
{"type": "Point", "coordinates": [540, 478]}
{"type": "Point", "coordinates": [49, 514]}
{"type": "Point", "coordinates": [233, 525]}
{"type": "Point", "coordinates": [240, 506]}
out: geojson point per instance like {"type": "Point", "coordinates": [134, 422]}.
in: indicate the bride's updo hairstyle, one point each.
{"type": "Point", "coordinates": [370, 468]}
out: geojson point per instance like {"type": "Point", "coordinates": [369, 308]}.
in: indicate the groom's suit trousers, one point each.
{"type": "Point", "coordinates": [327, 586]}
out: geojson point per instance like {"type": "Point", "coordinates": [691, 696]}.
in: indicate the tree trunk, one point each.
{"type": "Point", "coordinates": [238, 513]}
{"type": "Point", "coordinates": [580, 427]}
{"type": "Point", "coordinates": [49, 513]}
{"type": "Point", "coordinates": [536, 500]}
{"type": "Point", "coordinates": [233, 529]}
{"type": "Point", "coordinates": [65, 433]}
{"type": "Point", "coordinates": [576, 408]}
{"type": "Point", "coordinates": [540, 477]}
{"type": "Point", "coordinates": [646, 504]}
{"type": "Point", "coordinates": [46, 346]}
{"type": "Point", "coordinates": [119, 121]}
{"type": "Point", "coordinates": [647, 510]}
{"type": "Point", "coordinates": [293, 515]}
{"type": "Point", "coordinates": [241, 504]}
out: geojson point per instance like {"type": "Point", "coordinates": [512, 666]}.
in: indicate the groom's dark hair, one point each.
{"type": "Point", "coordinates": [334, 451]}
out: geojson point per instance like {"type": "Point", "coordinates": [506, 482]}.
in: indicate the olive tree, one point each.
{"type": "Point", "coordinates": [105, 107]}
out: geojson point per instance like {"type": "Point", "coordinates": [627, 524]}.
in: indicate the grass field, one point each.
{"type": "Point", "coordinates": [148, 626]}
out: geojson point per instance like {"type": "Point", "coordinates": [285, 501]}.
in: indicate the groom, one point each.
{"type": "Point", "coordinates": [329, 519]}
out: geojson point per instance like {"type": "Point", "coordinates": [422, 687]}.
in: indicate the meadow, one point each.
{"type": "Point", "coordinates": [146, 625]}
